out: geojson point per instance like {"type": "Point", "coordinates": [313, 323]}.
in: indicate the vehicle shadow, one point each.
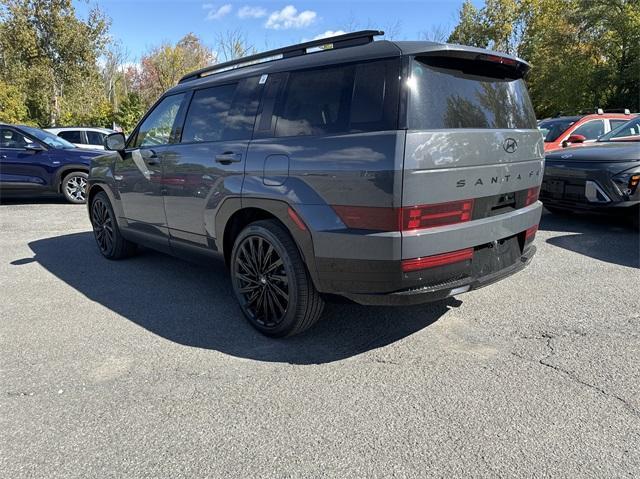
{"type": "Point", "coordinates": [193, 304]}
{"type": "Point", "coordinates": [51, 199]}
{"type": "Point", "coordinates": [603, 238]}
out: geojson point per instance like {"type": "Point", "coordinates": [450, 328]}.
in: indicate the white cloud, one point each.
{"type": "Point", "coordinates": [289, 17]}
{"type": "Point", "coordinates": [217, 13]}
{"type": "Point", "coordinates": [329, 33]}
{"type": "Point", "coordinates": [251, 12]}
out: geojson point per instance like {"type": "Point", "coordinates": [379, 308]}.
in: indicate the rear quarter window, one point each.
{"type": "Point", "coordinates": [444, 94]}
{"type": "Point", "coordinates": [341, 99]}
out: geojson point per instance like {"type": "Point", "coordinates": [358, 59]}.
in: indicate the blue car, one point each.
{"type": "Point", "coordinates": [36, 161]}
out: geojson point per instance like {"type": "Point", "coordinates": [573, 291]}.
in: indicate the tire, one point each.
{"type": "Point", "coordinates": [105, 230]}
{"type": "Point", "coordinates": [271, 282]}
{"type": "Point", "coordinates": [74, 187]}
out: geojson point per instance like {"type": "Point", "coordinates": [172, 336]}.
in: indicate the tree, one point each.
{"type": "Point", "coordinates": [50, 55]}
{"type": "Point", "coordinates": [584, 53]}
{"type": "Point", "coordinates": [12, 107]}
{"type": "Point", "coordinates": [163, 66]}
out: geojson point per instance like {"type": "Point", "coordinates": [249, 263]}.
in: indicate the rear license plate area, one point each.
{"type": "Point", "coordinates": [495, 256]}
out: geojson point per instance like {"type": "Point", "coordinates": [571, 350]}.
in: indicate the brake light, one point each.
{"type": "Point", "coordinates": [532, 196]}
{"type": "Point", "coordinates": [437, 260]}
{"type": "Point", "coordinates": [368, 217]}
{"type": "Point", "coordinates": [405, 219]}
{"type": "Point", "coordinates": [530, 233]}
{"type": "Point", "coordinates": [499, 59]}
{"type": "Point", "coordinates": [441, 214]}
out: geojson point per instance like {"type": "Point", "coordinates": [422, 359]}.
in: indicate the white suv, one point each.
{"type": "Point", "coordinates": [82, 137]}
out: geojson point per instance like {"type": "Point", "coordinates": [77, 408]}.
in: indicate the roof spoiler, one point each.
{"type": "Point", "coordinates": [352, 39]}
{"type": "Point", "coordinates": [513, 66]}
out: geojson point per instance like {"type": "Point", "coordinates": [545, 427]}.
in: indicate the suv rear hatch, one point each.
{"type": "Point", "coordinates": [473, 157]}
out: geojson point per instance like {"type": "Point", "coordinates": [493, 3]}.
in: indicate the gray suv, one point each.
{"type": "Point", "coordinates": [385, 172]}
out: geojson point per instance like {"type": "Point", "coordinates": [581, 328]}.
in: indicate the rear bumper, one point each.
{"type": "Point", "coordinates": [428, 294]}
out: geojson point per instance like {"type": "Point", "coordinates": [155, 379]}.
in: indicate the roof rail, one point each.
{"type": "Point", "coordinates": [339, 41]}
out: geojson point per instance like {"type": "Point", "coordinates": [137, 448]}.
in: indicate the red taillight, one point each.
{"type": "Point", "coordinates": [530, 233]}
{"type": "Point", "coordinates": [428, 216]}
{"type": "Point", "coordinates": [532, 196]}
{"type": "Point", "coordinates": [404, 219]}
{"type": "Point", "coordinates": [437, 260]}
{"type": "Point", "coordinates": [368, 217]}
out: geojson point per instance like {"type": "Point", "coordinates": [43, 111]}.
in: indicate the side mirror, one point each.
{"type": "Point", "coordinates": [574, 139]}
{"type": "Point", "coordinates": [33, 147]}
{"type": "Point", "coordinates": [114, 142]}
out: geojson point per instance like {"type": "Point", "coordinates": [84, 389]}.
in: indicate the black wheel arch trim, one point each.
{"type": "Point", "coordinates": [278, 209]}
{"type": "Point", "coordinates": [113, 199]}
{"type": "Point", "coordinates": [64, 170]}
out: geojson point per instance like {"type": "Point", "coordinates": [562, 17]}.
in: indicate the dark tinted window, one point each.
{"type": "Point", "coordinates": [242, 116]}
{"type": "Point", "coordinates": [616, 123]}
{"type": "Point", "coordinates": [340, 99]}
{"type": "Point", "coordinates": [12, 139]}
{"type": "Point", "coordinates": [157, 126]}
{"type": "Point", "coordinates": [207, 115]}
{"type": "Point", "coordinates": [95, 137]}
{"type": "Point", "coordinates": [74, 136]}
{"type": "Point", "coordinates": [447, 94]}
{"type": "Point", "coordinates": [552, 129]}
{"type": "Point", "coordinates": [591, 130]}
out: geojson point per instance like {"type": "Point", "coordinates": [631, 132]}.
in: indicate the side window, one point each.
{"type": "Point", "coordinates": [590, 130]}
{"type": "Point", "coordinates": [316, 102]}
{"type": "Point", "coordinates": [157, 127]}
{"type": "Point", "coordinates": [95, 137]}
{"type": "Point", "coordinates": [342, 99]}
{"type": "Point", "coordinates": [73, 136]}
{"type": "Point", "coordinates": [616, 123]}
{"type": "Point", "coordinates": [242, 116]}
{"type": "Point", "coordinates": [207, 116]}
{"type": "Point", "coordinates": [12, 139]}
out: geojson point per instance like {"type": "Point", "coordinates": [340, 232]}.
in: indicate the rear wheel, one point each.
{"type": "Point", "coordinates": [105, 229]}
{"type": "Point", "coordinates": [74, 187]}
{"type": "Point", "coordinates": [271, 281]}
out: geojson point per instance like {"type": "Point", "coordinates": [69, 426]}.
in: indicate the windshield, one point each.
{"type": "Point", "coordinates": [552, 129]}
{"type": "Point", "coordinates": [49, 138]}
{"type": "Point", "coordinates": [629, 131]}
{"type": "Point", "coordinates": [447, 93]}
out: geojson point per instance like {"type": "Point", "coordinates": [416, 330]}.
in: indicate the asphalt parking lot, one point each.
{"type": "Point", "coordinates": [145, 368]}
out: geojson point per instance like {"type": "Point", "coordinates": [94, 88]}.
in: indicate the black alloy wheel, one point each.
{"type": "Point", "coordinates": [102, 226]}
{"type": "Point", "coordinates": [263, 281]}
{"type": "Point", "coordinates": [105, 229]}
{"type": "Point", "coordinates": [271, 281]}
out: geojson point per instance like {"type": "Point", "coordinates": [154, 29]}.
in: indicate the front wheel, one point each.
{"type": "Point", "coordinates": [105, 229]}
{"type": "Point", "coordinates": [74, 187]}
{"type": "Point", "coordinates": [271, 281]}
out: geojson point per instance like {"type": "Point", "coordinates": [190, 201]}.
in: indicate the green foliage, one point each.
{"type": "Point", "coordinates": [131, 110]}
{"type": "Point", "coordinates": [50, 55]}
{"type": "Point", "coordinates": [584, 53]}
{"type": "Point", "coordinates": [12, 107]}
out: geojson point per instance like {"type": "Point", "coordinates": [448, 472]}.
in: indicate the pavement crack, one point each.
{"type": "Point", "coordinates": [549, 337]}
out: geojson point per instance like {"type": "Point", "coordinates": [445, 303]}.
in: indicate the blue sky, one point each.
{"type": "Point", "coordinates": [142, 24]}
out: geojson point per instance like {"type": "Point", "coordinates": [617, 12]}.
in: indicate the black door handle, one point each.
{"type": "Point", "coordinates": [228, 157]}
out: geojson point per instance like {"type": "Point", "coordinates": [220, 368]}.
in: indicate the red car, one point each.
{"type": "Point", "coordinates": [564, 131]}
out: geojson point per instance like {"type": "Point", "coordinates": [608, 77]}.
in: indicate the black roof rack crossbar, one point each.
{"type": "Point", "coordinates": [339, 41]}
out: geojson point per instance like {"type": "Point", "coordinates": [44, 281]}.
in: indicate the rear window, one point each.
{"type": "Point", "coordinates": [447, 93]}
{"type": "Point", "coordinates": [73, 136]}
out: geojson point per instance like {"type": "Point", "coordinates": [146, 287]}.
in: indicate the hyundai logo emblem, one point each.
{"type": "Point", "coordinates": [510, 145]}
